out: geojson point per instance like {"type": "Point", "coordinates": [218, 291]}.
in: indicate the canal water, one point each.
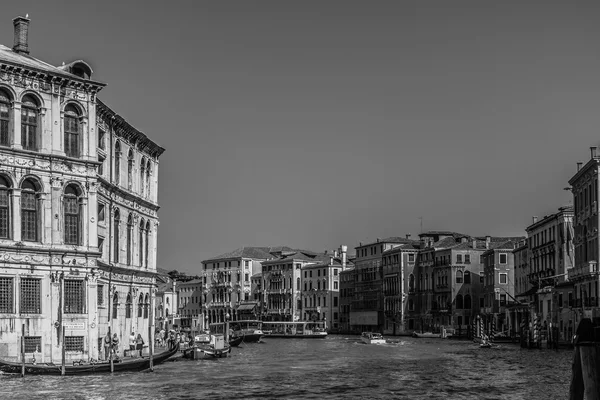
{"type": "Point", "coordinates": [338, 367]}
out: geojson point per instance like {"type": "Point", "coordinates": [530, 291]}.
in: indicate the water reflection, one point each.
{"type": "Point", "coordinates": [336, 367]}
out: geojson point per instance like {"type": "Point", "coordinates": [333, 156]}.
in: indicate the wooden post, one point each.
{"type": "Point", "coordinates": [23, 350]}
{"type": "Point", "coordinates": [62, 370]}
{"type": "Point", "coordinates": [585, 379]}
{"type": "Point", "coordinates": [150, 326]}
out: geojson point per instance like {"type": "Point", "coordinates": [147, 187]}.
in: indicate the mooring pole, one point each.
{"type": "Point", "coordinates": [585, 380]}
{"type": "Point", "coordinates": [150, 329]}
{"type": "Point", "coordinates": [23, 350]}
{"type": "Point", "coordinates": [62, 370]}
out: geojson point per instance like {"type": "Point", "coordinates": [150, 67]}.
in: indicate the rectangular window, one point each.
{"type": "Point", "coordinates": [467, 277]}
{"type": "Point", "coordinates": [101, 139]}
{"type": "Point", "coordinates": [335, 315]}
{"type": "Point", "coordinates": [74, 343]}
{"type": "Point", "coordinates": [502, 299]}
{"type": "Point", "coordinates": [28, 216]}
{"type": "Point", "coordinates": [481, 303]}
{"type": "Point", "coordinates": [33, 343]}
{"type": "Point", "coordinates": [100, 295]}
{"type": "Point", "coordinates": [335, 272]}
{"type": "Point", "coordinates": [30, 296]}
{"type": "Point", "coordinates": [28, 128]}
{"type": "Point", "coordinates": [411, 257]}
{"type": "Point", "coordinates": [4, 123]}
{"type": "Point", "coordinates": [503, 278]}
{"type": "Point", "coordinates": [101, 166]}
{"type": "Point", "coordinates": [6, 295]}
{"type": "Point", "coordinates": [74, 294]}
{"type": "Point", "coordinates": [335, 285]}
{"type": "Point", "coordinates": [246, 263]}
{"type": "Point", "coordinates": [335, 301]}
{"type": "Point", "coordinates": [503, 258]}
{"type": "Point", "coordinates": [4, 216]}
{"type": "Point", "coordinates": [459, 258]}
{"type": "Point", "coordinates": [481, 277]}
{"type": "Point", "coordinates": [101, 208]}
{"type": "Point", "coordinates": [467, 259]}
{"type": "Point", "coordinates": [71, 220]}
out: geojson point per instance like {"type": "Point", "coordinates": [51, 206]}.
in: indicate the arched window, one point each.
{"type": "Point", "coordinates": [146, 305]}
{"type": "Point", "coordinates": [141, 305]}
{"type": "Point", "coordinates": [72, 212]}
{"type": "Point", "coordinates": [29, 210]}
{"type": "Point", "coordinates": [130, 170]}
{"type": "Point", "coordinates": [128, 306]}
{"type": "Point", "coordinates": [459, 302]}
{"type": "Point", "coordinates": [298, 284]}
{"type": "Point", "coordinates": [467, 277]}
{"type": "Point", "coordinates": [117, 163]}
{"type": "Point", "coordinates": [4, 208]}
{"type": "Point", "coordinates": [142, 175]}
{"type": "Point", "coordinates": [411, 283]}
{"type": "Point", "coordinates": [115, 305]}
{"type": "Point", "coordinates": [148, 171]}
{"type": "Point", "coordinates": [467, 304]}
{"type": "Point", "coordinates": [129, 238]}
{"type": "Point", "coordinates": [5, 111]}
{"type": "Point", "coordinates": [72, 131]}
{"type": "Point", "coordinates": [146, 241]}
{"type": "Point", "coordinates": [459, 276]}
{"type": "Point", "coordinates": [141, 242]}
{"type": "Point", "coordinates": [29, 123]}
{"type": "Point", "coordinates": [116, 235]}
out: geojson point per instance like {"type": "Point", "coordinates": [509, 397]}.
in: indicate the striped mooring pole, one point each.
{"type": "Point", "coordinates": [536, 330]}
{"type": "Point", "coordinates": [481, 328]}
{"type": "Point", "coordinates": [493, 328]}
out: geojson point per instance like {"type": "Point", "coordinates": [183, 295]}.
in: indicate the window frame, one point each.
{"type": "Point", "coordinates": [30, 295]}
{"type": "Point", "coordinates": [30, 122]}
{"type": "Point", "coordinates": [5, 118]}
{"type": "Point", "coordinates": [74, 303]}
{"type": "Point", "coordinates": [72, 137]}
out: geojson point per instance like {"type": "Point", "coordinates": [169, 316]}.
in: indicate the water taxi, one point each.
{"type": "Point", "coordinates": [250, 329]}
{"type": "Point", "coordinates": [372, 338]}
{"type": "Point", "coordinates": [297, 329]}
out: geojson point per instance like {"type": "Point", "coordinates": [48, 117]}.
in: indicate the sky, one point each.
{"type": "Point", "coordinates": [313, 124]}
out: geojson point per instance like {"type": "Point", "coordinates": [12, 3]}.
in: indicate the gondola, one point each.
{"type": "Point", "coordinates": [137, 364]}
{"type": "Point", "coordinates": [235, 342]}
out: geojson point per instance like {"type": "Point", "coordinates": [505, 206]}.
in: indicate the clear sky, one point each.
{"type": "Point", "coordinates": [318, 123]}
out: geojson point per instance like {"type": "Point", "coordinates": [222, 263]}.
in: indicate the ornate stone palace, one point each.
{"type": "Point", "coordinates": [78, 212]}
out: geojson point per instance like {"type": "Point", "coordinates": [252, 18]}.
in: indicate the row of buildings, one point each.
{"type": "Point", "coordinates": [399, 285]}
{"type": "Point", "coordinates": [78, 211]}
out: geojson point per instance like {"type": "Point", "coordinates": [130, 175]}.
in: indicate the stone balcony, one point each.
{"type": "Point", "coordinates": [583, 271]}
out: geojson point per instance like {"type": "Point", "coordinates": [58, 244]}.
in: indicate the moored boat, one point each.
{"type": "Point", "coordinates": [296, 329]}
{"type": "Point", "coordinates": [372, 338]}
{"type": "Point", "coordinates": [119, 365]}
{"type": "Point", "coordinates": [250, 329]}
{"type": "Point", "coordinates": [236, 341]}
{"type": "Point", "coordinates": [427, 335]}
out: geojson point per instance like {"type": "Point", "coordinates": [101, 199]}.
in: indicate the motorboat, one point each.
{"type": "Point", "coordinates": [426, 335]}
{"type": "Point", "coordinates": [372, 338]}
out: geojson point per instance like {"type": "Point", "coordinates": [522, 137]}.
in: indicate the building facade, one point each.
{"type": "Point", "coordinates": [585, 273]}
{"type": "Point", "coordinates": [321, 294]}
{"type": "Point", "coordinates": [57, 278]}
{"type": "Point", "coordinates": [226, 282]}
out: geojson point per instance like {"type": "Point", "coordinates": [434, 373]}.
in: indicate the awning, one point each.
{"type": "Point", "coordinates": [530, 292]}
{"type": "Point", "coordinates": [243, 307]}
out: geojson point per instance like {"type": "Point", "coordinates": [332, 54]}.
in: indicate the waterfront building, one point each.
{"type": "Point", "coordinates": [398, 265]}
{"type": "Point", "coordinates": [165, 305]}
{"type": "Point", "coordinates": [585, 273]}
{"type": "Point", "coordinates": [347, 283]}
{"type": "Point", "coordinates": [226, 281]}
{"type": "Point", "coordinates": [78, 242]}
{"type": "Point", "coordinates": [366, 312]}
{"type": "Point", "coordinates": [518, 312]}
{"type": "Point", "coordinates": [551, 256]}
{"type": "Point", "coordinates": [321, 282]}
{"type": "Point", "coordinates": [432, 294]}
{"type": "Point", "coordinates": [498, 285]}
{"type": "Point", "coordinates": [190, 310]}
{"type": "Point", "coordinates": [282, 284]}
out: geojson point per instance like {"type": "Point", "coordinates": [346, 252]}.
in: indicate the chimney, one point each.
{"type": "Point", "coordinates": [534, 219]}
{"type": "Point", "coordinates": [487, 242]}
{"type": "Point", "coordinates": [330, 260]}
{"type": "Point", "coordinates": [474, 243]}
{"type": "Point", "coordinates": [344, 250]}
{"type": "Point", "coordinates": [335, 253]}
{"type": "Point", "coordinates": [408, 235]}
{"type": "Point", "coordinates": [378, 240]}
{"type": "Point", "coordinates": [463, 240]}
{"type": "Point", "coordinates": [579, 164]}
{"type": "Point", "coordinates": [21, 33]}
{"type": "Point", "coordinates": [593, 150]}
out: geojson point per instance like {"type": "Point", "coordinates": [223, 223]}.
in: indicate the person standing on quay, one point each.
{"type": "Point", "coordinates": [140, 343]}
{"type": "Point", "coordinates": [132, 344]}
{"type": "Point", "coordinates": [115, 345]}
{"type": "Point", "coordinates": [107, 345]}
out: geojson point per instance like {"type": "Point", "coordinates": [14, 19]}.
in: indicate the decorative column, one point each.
{"type": "Point", "coordinates": [91, 220]}
{"type": "Point", "coordinates": [16, 112]}
{"type": "Point", "coordinates": [16, 214]}
{"type": "Point", "coordinates": [55, 210]}
{"type": "Point", "coordinates": [41, 206]}
{"type": "Point", "coordinates": [85, 222]}
{"type": "Point", "coordinates": [45, 139]}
